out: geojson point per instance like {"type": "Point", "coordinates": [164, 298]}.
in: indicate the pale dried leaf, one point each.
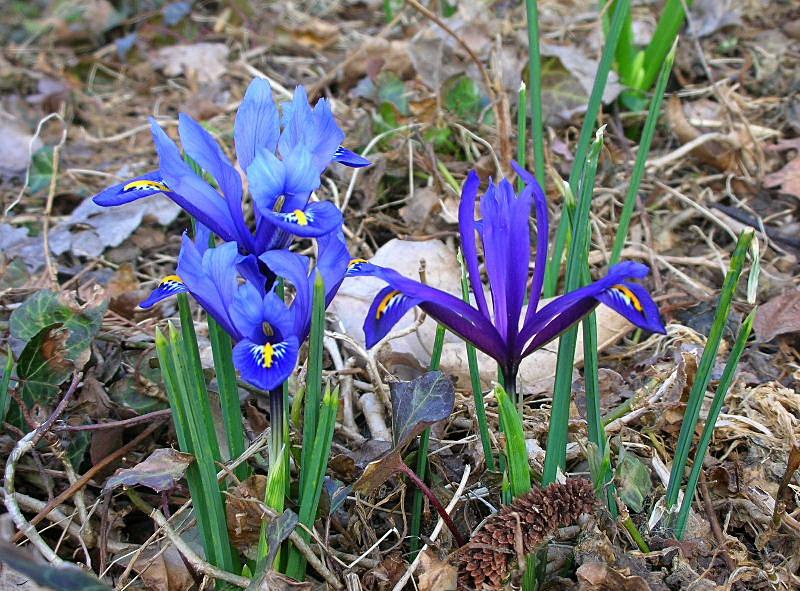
{"type": "Point", "coordinates": [208, 61]}
{"type": "Point", "coordinates": [436, 574]}
{"type": "Point", "coordinates": [160, 471]}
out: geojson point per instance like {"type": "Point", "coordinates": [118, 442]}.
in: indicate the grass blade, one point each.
{"type": "Point", "coordinates": [422, 453]}
{"type": "Point", "coordinates": [667, 29]}
{"type": "Point", "coordinates": [222, 351]}
{"type": "Point", "coordinates": [475, 381]}
{"type": "Point", "coordinates": [705, 367]}
{"type": "Point", "coordinates": [641, 156]}
{"type": "Point", "coordinates": [522, 131]}
{"type": "Point", "coordinates": [314, 376]}
{"type": "Point", "coordinates": [519, 472]}
{"type": "Point", "coordinates": [311, 490]}
{"type": "Point", "coordinates": [577, 263]}
{"type": "Point", "coordinates": [708, 429]}
{"type": "Point", "coordinates": [593, 109]}
{"type": "Point", "coordinates": [535, 89]}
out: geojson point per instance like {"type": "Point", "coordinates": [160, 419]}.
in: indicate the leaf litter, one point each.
{"type": "Point", "coordinates": [731, 97]}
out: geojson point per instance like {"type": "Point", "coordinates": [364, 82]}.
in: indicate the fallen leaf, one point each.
{"type": "Point", "coordinates": [274, 581]}
{"type": "Point", "coordinates": [207, 61]}
{"type": "Point", "coordinates": [567, 80]}
{"type": "Point", "coordinates": [437, 574]}
{"type": "Point", "coordinates": [714, 153]}
{"type": "Point", "coordinates": [160, 471]}
{"type": "Point", "coordinates": [244, 513]}
{"type": "Point", "coordinates": [163, 569]}
{"type": "Point", "coordinates": [598, 576]}
{"type": "Point", "coordinates": [780, 315]}
{"type": "Point", "coordinates": [15, 148]}
{"type": "Point", "coordinates": [90, 229]}
{"type": "Point", "coordinates": [42, 367]}
{"type": "Point", "coordinates": [787, 178]}
{"type": "Point", "coordinates": [418, 404]}
{"type": "Point", "coordinates": [709, 16]}
{"type": "Point", "coordinates": [68, 577]}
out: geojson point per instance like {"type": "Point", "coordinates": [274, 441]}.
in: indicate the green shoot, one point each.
{"type": "Point", "coordinates": [706, 366]}
{"type": "Point", "coordinates": [522, 130]}
{"type": "Point", "coordinates": [708, 429]}
{"type": "Point", "coordinates": [535, 89]}
{"type": "Point", "coordinates": [5, 398]}
{"type": "Point", "coordinates": [585, 138]}
{"type": "Point", "coordinates": [556, 456]}
{"type": "Point", "coordinates": [641, 156]}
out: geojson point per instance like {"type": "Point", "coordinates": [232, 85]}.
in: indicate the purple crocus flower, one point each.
{"type": "Point", "coordinates": [267, 331]}
{"type": "Point", "coordinates": [501, 331]}
{"type": "Point", "coordinates": [282, 157]}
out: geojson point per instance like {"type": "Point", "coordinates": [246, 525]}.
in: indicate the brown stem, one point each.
{"type": "Point", "coordinates": [84, 480]}
{"type": "Point", "coordinates": [434, 501]}
{"type": "Point", "coordinates": [122, 424]}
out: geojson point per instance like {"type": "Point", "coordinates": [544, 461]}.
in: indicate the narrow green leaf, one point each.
{"type": "Point", "coordinates": [667, 29]}
{"type": "Point", "coordinates": [535, 88]}
{"type": "Point", "coordinates": [593, 109]}
{"type": "Point", "coordinates": [522, 131]}
{"type": "Point", "coordinates": [641, 156]}
{"type": "Point", "coordinates": [703, 376]}
{"type": "Point", "coordinates": [519, 471]}
{"type": "Point", "coordinates": [725, 383]}
{"type": "Point", "coordinates": [577, 265]}
{"type": "Point", "coordinates": [5, 398]}
{"type": "Point", "coordinates": [314, 376]}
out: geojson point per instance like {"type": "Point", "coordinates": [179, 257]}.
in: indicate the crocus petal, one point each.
{"type": "Point", "coordinates": [332, 262]}
{"type": "Point", "coordinates": [201, 147]}
{"type": "Point", "coordinates": [388, 307]}
{"type": "Point", "coordinates": [467, 228]}
{"type": "Point", "coordinates": [257, 123]}
{"type": "Point", "coordinates": [458, 316]}
{"type": "Point", "coordinates": [317, 219]}
{"type": "Point", "coordinates": [349, 158]}
{"type": "Point", "coordinates": [142, 186]}
{"type": "Point", "coordinates": [294, 268]}
{"type": "Point", "coordinates": [246, 314]}
{"type": "Point", "coordinates": [189, 191]}
{"type": "Point", "coordinates": [507, 251]}
{"type": "Point", "coordinates": [541, 328]}
{"type": "Point", "coordinates": [169, 286]}
{"type": "Point", "coordinates": [267, 178]}
{"type": "Point", "coordinates": [542, 238]}
{"type": "Point", "coordinates": [211, 278]}
{"type": "Point", "coordinates": [632, 301]}
{"type": "Point", "coordinates": [301, 177]}
{"type": "Point", "coordinates": [266, 365]}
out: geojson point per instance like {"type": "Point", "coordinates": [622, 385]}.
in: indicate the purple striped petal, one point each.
{"type": "Point", "coordinates": [169, 286]}
{"type": "Point", "coordinates": [266, 365]}
{"type": "Point", "coordinates": [257, 123]}
{"type": "Point", "coordinates": [150, 183]}
{"type": "Point", "coordinates": [632, 301]}
{"type": "Point", "coordinates": [317, 219]}
{"type": "Point", "coordinates": [467, 229]}
{"type": "Point", "coordinates": [458, 316]}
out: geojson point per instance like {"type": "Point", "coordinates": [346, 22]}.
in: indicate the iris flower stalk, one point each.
{"type": "Point", "coordinates": [498, 326]}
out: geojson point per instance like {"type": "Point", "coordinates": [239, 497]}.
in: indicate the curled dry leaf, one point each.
{"type": "Point", "coordinates": [780, 315]}
{"type": "Point", "coordinates": [244, 513]}
{"type": "Point", "coordinates": [207, 61]}
{"type": "Point", "coordinates": [160, 471]}
{"type": "Point", "coordinates": [598, 576]}
{"type": "Point", "coordinates": [436, 574]}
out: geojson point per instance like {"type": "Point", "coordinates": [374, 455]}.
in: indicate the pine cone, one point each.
{"type": "Point", "coordinates": [487, 560]}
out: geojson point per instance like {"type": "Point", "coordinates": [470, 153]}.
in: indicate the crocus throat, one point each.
{"type": "Point", "coordinates": [629, 297]}
{"type": "Point", "coordinates": [144, 185]}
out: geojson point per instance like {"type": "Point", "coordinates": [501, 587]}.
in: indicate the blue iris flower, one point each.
{"type": "Point", "coordinates": [502, 332]}
{"type": "Point", "coordinates": [282, 157]}
{"type": "Point", "coordinates": [267, 331]}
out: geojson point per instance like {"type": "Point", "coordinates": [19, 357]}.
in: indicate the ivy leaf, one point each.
{"type": "Point", "coordinates": [43, 309]}
{"type": "Point", "coordinates": [418, 404]}
{"type": "Point", "coordinates": [43, 365]}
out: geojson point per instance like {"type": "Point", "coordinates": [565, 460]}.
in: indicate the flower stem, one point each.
{"type": "Point", "coordinates": [434, 501]}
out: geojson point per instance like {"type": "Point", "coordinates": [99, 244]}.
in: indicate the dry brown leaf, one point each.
{"type": "Point", "coordinates": [787, 178]}
{"type": "Point", "coordinates": [598, 576]}
{"type": "Point", "coordinates": [714, 153]}
{"type": "Point", "coordinates": [244, 513]}
{"type": "Point", "coordinates": [207, 61]}
{"type": "Point", "coordinates": [780, 315]}
{"type": "Point", "coordinates": [160, 471]}
{"type": "Point", "coordinates": [437, 574]}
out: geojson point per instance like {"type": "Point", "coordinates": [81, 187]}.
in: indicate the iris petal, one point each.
{"type": "Point", "coordinates": [257, 123]}
{"type": "Point", "coordinates": [467, 228]}
{"type": "Point", "coordinates": [148, 184]}
{"type": "Point", "coordinates": [169, 286]}
{"type": "Point", "coordinates": [266, 365]}
{"type": "Point", "coordinates": [294, 268]}
{"type": "Point", "coordinates": [634, 303]}
{"type": "Point", "coordinates": [349, 158]}
{"type": "Point", "coordinates": [388, 307]}
{"type": "Point", "coordinates": [317, 219]}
